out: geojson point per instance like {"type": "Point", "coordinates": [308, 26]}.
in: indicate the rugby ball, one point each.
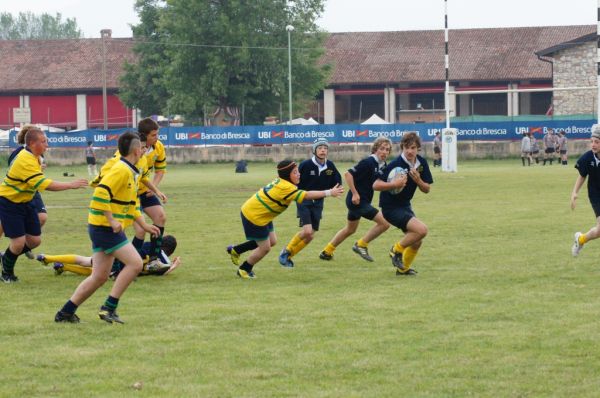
{"type": "Point", "coordinates": [396, 173]}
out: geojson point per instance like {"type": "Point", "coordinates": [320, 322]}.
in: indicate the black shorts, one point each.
{"type": "Point", "coordinates": [105, 240]}
{"type": "Point", "coordinates": [19, 219]}
{"type": "Point", "coordinates": [363, 209]}
{"type": "Point", "coordinates": [596, 206]}
{"type": "Point", "coordinates": [398, 216]}
{"type": "Point", "coordinates": [149, 200]}
{"type": "Point", "coordinates": [536, 152]}
{"type": "Point", "coordinates": [256, 232]}
{"type": "Point", "coordinates": [310, 214]}
{"type": "Point", "coordinates": [563, 151]}
{"type": "Point", "coordinates": [38, 203]}
{"type": "Point", "coordinates": [437, 149]}
{"type": "Point", "coordinates": [549, 150]}
{"type": "Point", "coordinates": [90, 160]}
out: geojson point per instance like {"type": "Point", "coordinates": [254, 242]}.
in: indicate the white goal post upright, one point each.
{"type": "Point", "coordinates": [598, 62]}
{"type": "Point", "coordinates": [449, 135]}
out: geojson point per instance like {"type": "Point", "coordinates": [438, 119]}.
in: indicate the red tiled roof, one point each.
{"type": "Point", "coordinates": [73, 64]}
{"type": "Point", "coordinates": [418, 56]}
{"type": "Point", "coordinates": [357, 57]}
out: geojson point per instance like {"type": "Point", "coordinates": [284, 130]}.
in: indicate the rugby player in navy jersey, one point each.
{"type": "Point", "coordinates": [360, 179]}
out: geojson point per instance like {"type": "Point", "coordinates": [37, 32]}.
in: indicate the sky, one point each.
{"type": "Point", "coordinates": [349, 15]}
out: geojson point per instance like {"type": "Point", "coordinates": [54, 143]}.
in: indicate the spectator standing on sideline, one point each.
{"type": "Point", "coordinates": [562, 147]}
{"type": "Point", "coordinates": [549, 147]}
{"type": "Point", "coordinates": [437, 150]}
{"type": "Point", "coordinates": [535, 148]}
{"type": "Point", "coordinates": [526, 149]}
{"type": "Point", "coordinates": [90, 159]}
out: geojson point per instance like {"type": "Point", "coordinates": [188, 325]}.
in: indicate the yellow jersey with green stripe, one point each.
{"type": "Point", "coordinates": [117, 193]}
{"type": "Point", "coordinates": [23, 178]}
{"type": "Point", "coordinates": [141, 165]}
{"type": "Point", "coordinates": [270, 201]}
{"type": "Point", "coordinates": [156, 156]}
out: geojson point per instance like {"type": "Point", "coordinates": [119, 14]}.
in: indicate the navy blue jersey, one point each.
{"type": "Point", "coordinates": [315, 178]}
{"type": "Point", "coordinates": [588, 165]}
{"type": "Point", "coordinates": [387, 200]}
{"type": "Point", "coordinates": [14, 154]}
{"type": "Point", "coordinates": [365, 173]}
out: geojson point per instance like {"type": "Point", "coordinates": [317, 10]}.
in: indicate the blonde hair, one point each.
{"type": "Point", "coordinates": [379, 142]}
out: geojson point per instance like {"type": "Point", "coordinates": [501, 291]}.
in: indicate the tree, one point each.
{"type": "Point", "coordinates": [31, 26]}
{"type": "Point", "coordinates": [230, 53]}
{"type": "Point", "coordinates": [142, 85]}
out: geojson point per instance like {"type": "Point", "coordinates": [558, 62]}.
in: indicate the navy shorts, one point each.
{"type": "Point", "coordinates": [549, 150]}
{"type": "Point", "coordinates": [398, 216]}
{"type": "Point", "coordinates": [38, 203]}
{"type": "Point", "coordinates": [149, 200]}
{"type": "Point", "coordinates": [105, 240]}
{"type": "Point", "coordinates": [256, 232]}
{"type": "Point", "coordinates": [90, 160]}
{"type": "Point", "coordinates": [19, 219]}
{"type": "Point", "coordinates": [310, 214]}
{"type": "Point", "coordinates": [596, 206]}
{"type": "Point", "coordinates": [363, 209]}
{"type": "Point", "coordinates": [437, 149]}
{"type": "Point", "coordinates": [563, 151]}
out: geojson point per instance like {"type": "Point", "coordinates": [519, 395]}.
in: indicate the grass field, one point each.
{"type": "Point", "coordinates": [499, 308]}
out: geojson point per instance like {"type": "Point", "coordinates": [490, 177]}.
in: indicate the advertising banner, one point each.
{"type": "Point", "coordinates": [335, 133]}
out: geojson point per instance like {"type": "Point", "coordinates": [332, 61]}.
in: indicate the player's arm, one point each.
{"type": "Point", "coordinates": [63, 186]}
{"type": "Point", "coordinates": [151, 229]}
{"type": "Point", "coordinates": [335, 192]}
{"type": "Point", "coordinates": [380, 185]}
{"type": "Point", "coordinates": [176, 263]}
{"type": "Point", "coordinates": [114, 224]}
{"type": "Point", "coordinates": [158, 176]}
{"type": "Point", "coordinates": [578, 184]}
{"type": "Point", "coordinates": [350, 181]}
{"type": "Point", "coordinates": [416, 177]}
{"type": "Point", "coordinates": [156, 191]}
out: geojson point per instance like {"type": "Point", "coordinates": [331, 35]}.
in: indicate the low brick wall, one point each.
{"type": "Point", "coordinates": [275, 153]}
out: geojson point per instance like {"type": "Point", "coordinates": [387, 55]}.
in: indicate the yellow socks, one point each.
{"type": "Point", "coordinates": [361, 243]}
{"type": "Point", "coordinates": [409, 256]}
{"type": "Point", "coordinates": [77, 269]}
{"type": "Point", "coordinates": [290, 246]}
{"type": "Point", "coordinates": [398, 248]}
{"type": "Point", "coordinates": [299, 246]}
{"type": "Point", "coordinates": [329, 249]}
{"type": "Point", "coordinates": [61, 258]}
{"type": "Point", "coordinates": [582, 239]}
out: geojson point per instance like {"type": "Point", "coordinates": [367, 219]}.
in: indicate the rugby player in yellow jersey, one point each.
{"type": "Point", "coordinates": [112, 209]}
{"type": "Point", "coordinates": [157, 160]}
{"type": "Point", "coordinates": [18, 217]}
{"type": "Point", "coordinates": [141, 165]}
{"type": "Point", "coordinates": [259, 211]}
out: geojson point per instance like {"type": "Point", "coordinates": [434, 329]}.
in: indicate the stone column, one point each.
{"type": "Point", "coordinates": [389, 101]}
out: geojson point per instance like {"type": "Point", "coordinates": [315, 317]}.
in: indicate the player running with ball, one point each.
{"type": "Point", "coordinates": [396, 208]}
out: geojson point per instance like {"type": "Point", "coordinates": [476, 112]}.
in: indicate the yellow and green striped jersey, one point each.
{"type": "Point", "coordinates": [141, 165]}
{"type": "Point", "coordinates": [117, 193]}
{"type": "Point", "coordinates": [156, 156]}
{"type": "Point", "coordinates": [271, 200]}
{"type": "Point", "coordinates": [23, 178]}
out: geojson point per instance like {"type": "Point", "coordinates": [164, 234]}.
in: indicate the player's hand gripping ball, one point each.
{"type": "Point", "coordinates": [396, 173]}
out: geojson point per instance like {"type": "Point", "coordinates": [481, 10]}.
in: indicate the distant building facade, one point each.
{"type": "Point", "coordinates": [396, 75]}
